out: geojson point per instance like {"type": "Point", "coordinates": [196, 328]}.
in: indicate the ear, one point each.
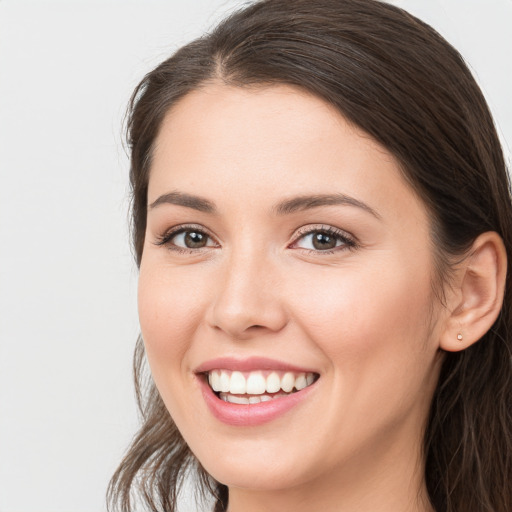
{"type": "Point", "coordinates": [477, 296]}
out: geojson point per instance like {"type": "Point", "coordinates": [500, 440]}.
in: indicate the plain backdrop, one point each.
{"type": "Point", "coordinates": [68, 319]}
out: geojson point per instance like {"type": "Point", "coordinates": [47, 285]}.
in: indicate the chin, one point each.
{"type": "Point", "coordinates": [259, 477]}
{"type": "Point", "coordinates": [258, 465]}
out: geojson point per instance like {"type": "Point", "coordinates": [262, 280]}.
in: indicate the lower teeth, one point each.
{"type": "Point", "coordinates": [252, 399]}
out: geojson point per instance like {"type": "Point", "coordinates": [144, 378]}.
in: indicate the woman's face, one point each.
{"type": "Point", "coordinates": [284, 248]}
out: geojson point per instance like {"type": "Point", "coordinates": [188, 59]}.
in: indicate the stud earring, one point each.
{"type": "Point", "coordinates": [459, 336]}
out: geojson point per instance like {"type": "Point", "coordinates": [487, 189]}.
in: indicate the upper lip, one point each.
{"type": "Point", "coordinates": [249, 364]}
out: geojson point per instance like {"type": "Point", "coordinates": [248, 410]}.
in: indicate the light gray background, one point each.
{"type": "Point", "coordinates": [67, 282]}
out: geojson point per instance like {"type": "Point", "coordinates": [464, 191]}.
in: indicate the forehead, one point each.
{"type": "Point", "coordinates": [268, 142]}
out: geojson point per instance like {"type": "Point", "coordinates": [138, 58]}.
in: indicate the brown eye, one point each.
{"type": "Point", "coordinates": [195, 240]}
{"type": "Point", "coordinates": [322, 241]}
{"type": "Point", "coordinates": [187, 238]}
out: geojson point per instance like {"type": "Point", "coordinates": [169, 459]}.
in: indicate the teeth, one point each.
{"type": "Point", "coordinates": [243, 400]}
{"type": "Point", "coordinates": [273, 383]}
{"type": "Point", "coordinates": [236, 399]}
{"type": "Point", "coordinates": [214, 380]}
{"type": "Point", "coordinates": [255, 383]}
{"type": "Point", "coordinates": [300, 382]}
{"type": "Point", "coordinates": [224, 382]}
{"type": "Point", "coordinates": [237, 383]}
{"type": "Point", "coordinates": [287, 382]}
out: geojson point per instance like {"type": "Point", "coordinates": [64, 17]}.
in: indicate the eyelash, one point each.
{"type": "Point", "coordinates": [348, 241]}
{"type": "Point", "coordinates": [165, 239]}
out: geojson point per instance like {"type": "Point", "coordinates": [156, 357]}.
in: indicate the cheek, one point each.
{"type": "Point", "coordinates": [372, 328]}
{"type": "Point", "coordinates": [367, 317]}
{"type": "Point", "coordinates": [366, 299]}
{"type": "Point", "coordinates": [169, 311]}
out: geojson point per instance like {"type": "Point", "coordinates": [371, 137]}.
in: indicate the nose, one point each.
{"type": "Point", "coordinates": [248, 300]}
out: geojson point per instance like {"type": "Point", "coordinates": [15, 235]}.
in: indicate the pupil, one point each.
{"type": "Point", "coordinates": [324, 241]}
{"type": "Point", "coordinates": [195, 240]}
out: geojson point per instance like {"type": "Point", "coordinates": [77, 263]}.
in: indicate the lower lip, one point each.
{"type": "Point", "coordinates": [248, 415]}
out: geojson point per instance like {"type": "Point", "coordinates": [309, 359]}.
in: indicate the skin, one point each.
{"type": "Point", "coordinates": [363, 317]}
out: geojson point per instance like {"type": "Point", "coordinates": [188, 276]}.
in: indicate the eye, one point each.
{"type": "Point", "coordinates": [323, 239]}
{"type": "Point", "coordinates": [190, 239]}
{"type": "Point", "coordinates": [186, 239]}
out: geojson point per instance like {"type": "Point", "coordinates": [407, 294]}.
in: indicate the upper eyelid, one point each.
{"type": "Point", "coordinates": [188, 227]}
{"type": "Point", "coordinates": [180, 228]}
{"type": "Point", "coordinates": [313, 228]}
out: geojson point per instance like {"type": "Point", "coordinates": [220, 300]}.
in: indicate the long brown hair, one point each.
{"type": "Point", "coordinates": [400, 81]}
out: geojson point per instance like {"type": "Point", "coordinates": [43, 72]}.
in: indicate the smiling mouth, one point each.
{"type": "Point", "coordinates": [257, 386]}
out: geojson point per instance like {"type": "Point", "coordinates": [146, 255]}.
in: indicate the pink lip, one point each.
{"type": "Point", "coordinates": [246, 415]}
{"type": "Point", "coordinates": [247, 365]}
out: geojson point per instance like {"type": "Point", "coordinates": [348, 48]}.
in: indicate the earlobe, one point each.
{"type": "Point", "coordinates": [479, 295]}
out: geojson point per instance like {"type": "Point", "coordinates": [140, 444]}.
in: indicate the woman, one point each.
{"type": "Point", "coordinates": [322, 220]}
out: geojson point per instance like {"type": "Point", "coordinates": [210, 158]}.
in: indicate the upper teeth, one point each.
{"type": "Point", "coordinates": [256, 383]}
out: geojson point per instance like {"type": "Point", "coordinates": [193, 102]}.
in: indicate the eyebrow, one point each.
{"type": "Point", "coordinates": [285, 207]}
{"type": "Point", "coordinates": [187, 200]}
{"type": "Point", "coordinates": [307, 202]}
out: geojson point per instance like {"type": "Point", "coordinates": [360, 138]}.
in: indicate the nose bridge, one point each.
{"type": "Point", "coordinates": [247, 298]}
